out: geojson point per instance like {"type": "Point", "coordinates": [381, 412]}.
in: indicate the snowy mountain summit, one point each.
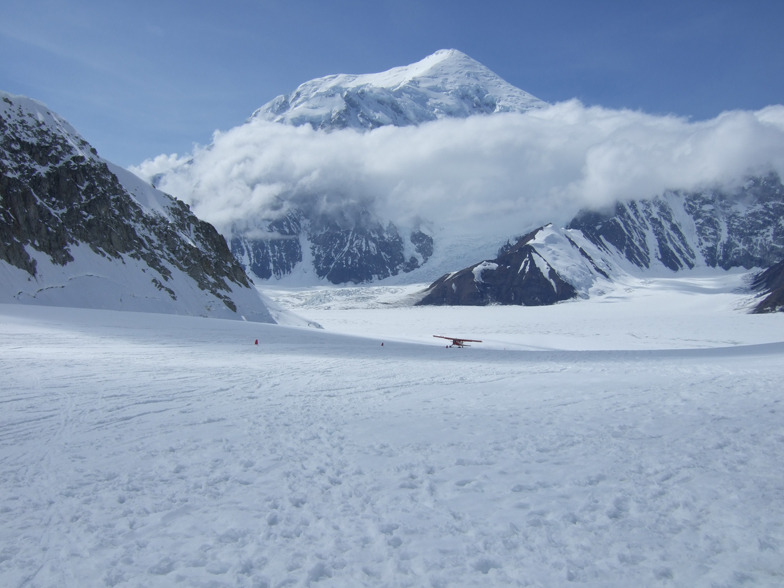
{"type": "Point", "coordinates": [346, 197]}
{"type": "Point", "coordinates": [446, 84]}
{"type": "Point", "coordinates": [350, 243]}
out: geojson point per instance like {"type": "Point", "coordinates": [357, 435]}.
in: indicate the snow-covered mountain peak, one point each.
{"type": "Point", "coordinates": [79, 231]}
{"type": "Point", "coordinates": [446, 84]}
{"type": "Point", "coordinates": [445, 67]}
{"type": "Point", "coordinates": [30, 118]}
{"type": "Point", "coordinates": [440, 62]}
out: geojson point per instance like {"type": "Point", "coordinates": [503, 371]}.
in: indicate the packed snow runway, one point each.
{"type": "Point", "coordinates": [635, 438]}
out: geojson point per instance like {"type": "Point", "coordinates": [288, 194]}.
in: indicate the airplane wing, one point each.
{"type": "Point", "coordinates": [457, 341]}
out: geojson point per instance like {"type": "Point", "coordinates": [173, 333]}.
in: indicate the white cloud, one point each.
{"type": "Point", "coordinates": [503, 173]}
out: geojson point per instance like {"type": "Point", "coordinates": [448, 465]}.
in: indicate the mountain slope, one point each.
{"type": "Point", "coordinates": [770, 285]}
{"type": "Point", "coordinates": [78, 231]}
{"type": "Point", "coordinates": [678, 230]}
{"type": "Point", "coordinates": [446, 84]}
{"type": "Point", "coordinates": [351, 245]}
{"type": "Point", "coordinates": [310, 189]}
{"type": "Point", "coordinates": [519, 275]}
{"type": "Point", "coordinates": [349, 242]}
{"type": "Point", "coordinates": [671, 232]}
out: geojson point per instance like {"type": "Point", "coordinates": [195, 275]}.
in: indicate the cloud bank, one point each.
{"type": "Point", "coordinates": [503, 173]}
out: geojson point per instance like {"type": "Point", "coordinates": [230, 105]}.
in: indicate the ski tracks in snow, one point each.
{"type": "Point", "coordinates": [136, 462]}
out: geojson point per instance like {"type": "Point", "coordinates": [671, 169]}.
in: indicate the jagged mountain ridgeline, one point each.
{"type": "Point", "coordinates": [518, 275]}
{"type": "Point", "coordinates": [315, 219]}
{"type": "Point", "coordinates": [350, 243]}
{"type": "Point", "coordinates": [404, 175]}
{"type": "Point", "coordinates": [77, 231]}
{"type": "Point", "coordinates": [675, 231]}
{"type": "Point", "coordinates": [344, 249]}
{"type": "Point", "coordinates": [421, 170]}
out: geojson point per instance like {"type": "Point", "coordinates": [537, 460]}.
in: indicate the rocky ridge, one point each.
{"type": "Point", "coordinates": [352, 244]}
{"type": "Point", "coordinates": [769, 285]}
{"type": "Point", "coordinates": [69, 219]}
{"type": "Point", "coordinates": [713, 228]}
{"type": "Point", "coordinates": [339, 250]}
{"type": "Point", "coordinates": [295, 237]}
{"type": "Point", "coordinates": [519, 275]}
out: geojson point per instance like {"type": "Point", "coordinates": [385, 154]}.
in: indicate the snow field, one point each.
{"type": "Point", "coordinates": [700, 309]}
{"type": "Point", "coordinates": [151, 450]}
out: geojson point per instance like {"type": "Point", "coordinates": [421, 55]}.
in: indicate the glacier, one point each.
{"type": "Point", "coordinates": [630, 439]}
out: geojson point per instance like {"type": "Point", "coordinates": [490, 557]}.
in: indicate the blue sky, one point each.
{"type": "Point", "coordinates": [147, 77]}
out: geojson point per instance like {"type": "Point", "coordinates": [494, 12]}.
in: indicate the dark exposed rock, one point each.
{"type": "Point", "coordinates": [519, 275]}
{"type": "Point", "coordinates": [55, 194]}
{"type": "Point", "coordinates": [744, 228]}
{"type": "Point", "coordinates": [346, 246]}
{"type": "Point", "coordinates": [677, 231]}
{"type": "Point", "coordinates": [358, 254]}
{"type": "Point", "coordinates": [275, 255]}
{"type": "Point", "coordinates": [423, 243]}
{"type": "Point", "coordinates": [770, 283]}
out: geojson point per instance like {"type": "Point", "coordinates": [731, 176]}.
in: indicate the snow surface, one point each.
{"type": "Point", "coordinates": [478, 269]}
{"type": "Point", "coordinates": [95, 281]}
{"type": "Point", "coordinates": [444, 84]}
{"type": "Point", "coordinates": [635, 438]}
{"type": "Point", "coordinates": [13, 106]}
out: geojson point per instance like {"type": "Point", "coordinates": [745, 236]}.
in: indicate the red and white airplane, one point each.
{"type": "Point", "coordinates": [456, 342]}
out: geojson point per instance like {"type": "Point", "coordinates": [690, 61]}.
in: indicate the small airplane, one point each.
{"type": "Point", "coordinates": [456, 342]}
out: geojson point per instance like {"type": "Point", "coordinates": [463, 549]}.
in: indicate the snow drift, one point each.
{"type": "Point", "coordinates": [634, 439]}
